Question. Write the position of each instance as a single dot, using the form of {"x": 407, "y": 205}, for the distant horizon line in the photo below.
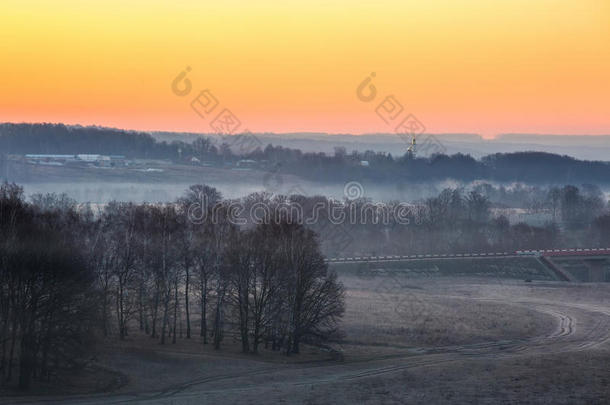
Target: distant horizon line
{"x": 494, "y": 137}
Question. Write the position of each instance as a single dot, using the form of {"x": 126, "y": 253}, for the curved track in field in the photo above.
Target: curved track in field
{"x": 578, "y": 327}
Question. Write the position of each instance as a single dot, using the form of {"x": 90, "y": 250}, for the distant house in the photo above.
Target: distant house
{"x": 88, "y": 157}
{"x": 246, "y": 164}
{"x": 49, "y": 157}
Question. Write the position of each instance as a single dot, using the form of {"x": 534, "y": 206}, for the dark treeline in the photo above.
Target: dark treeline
{"x": 61, "y": 139}
{"x": 460, "y": 221}
{"x": 533, "y": 167}
{"x": 455, "y": 221}
{"x": 69, "y": 276}
{"x": 535, "y": 198}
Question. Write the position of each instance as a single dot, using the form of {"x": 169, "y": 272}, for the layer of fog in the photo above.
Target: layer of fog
{"x": 104, "y": 192}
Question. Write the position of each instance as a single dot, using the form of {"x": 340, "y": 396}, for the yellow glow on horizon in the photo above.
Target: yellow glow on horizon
{"x": 459, "y": 66}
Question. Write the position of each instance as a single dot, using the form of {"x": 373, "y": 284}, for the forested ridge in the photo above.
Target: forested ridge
{"x": 535, "y": 167}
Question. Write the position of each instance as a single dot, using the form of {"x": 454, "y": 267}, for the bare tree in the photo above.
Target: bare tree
{"x": 120, "y": 222}
{"x": 165, "y": 225}
{"x": 239, "y": 271}
{"x": 265, "y": 283}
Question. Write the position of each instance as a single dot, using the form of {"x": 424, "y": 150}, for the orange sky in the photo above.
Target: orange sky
{"x": 484, "y": 66}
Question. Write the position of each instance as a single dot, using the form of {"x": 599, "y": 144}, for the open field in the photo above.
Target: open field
{"x": 163, "y": 183}
{"x": 499, "y": 268}
{"x": 414, "y": 340}
{"x": 402, "y": 316}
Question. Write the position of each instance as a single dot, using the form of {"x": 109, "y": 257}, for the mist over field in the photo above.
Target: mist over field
{"x": 101, "y": 193}
{"x": 155, "y": 192}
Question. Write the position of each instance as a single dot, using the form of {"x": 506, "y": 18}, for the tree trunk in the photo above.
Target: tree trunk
{"x": 141, "y": 305}
{"x": 120, "y": 308}
{"x": 256, "y": 339}
{"x": 105, "y": 311}
{"x": 218, "y": 321}
{"x": 165, "y": 315}
{"x": 204, "y": 310}
{"x": 243, "y": 319}
{"x": 186, "y": 303}
{"x": 295, "y": 344}
{"x": 26, "y": 363}
{"x": 13, "y": 341}
{"x": 5, "y": 329}
{"x": 155, "y": 313}
{"x": 175, "y": 309}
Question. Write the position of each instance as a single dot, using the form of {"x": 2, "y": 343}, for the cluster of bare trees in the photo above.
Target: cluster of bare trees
{"x": 156, "y": 269}
{"x": 281, "y": 288}
{"x": 48, "y": 307}
{"x": 263, "y": 284}
{"x": 69, "y": 275}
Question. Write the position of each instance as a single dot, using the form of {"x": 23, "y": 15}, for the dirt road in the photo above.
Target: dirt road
{"x": 580, "y": 327}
